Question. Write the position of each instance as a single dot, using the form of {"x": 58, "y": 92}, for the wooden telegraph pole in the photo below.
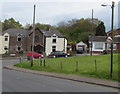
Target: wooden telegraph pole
{"x": 33, "y": 36}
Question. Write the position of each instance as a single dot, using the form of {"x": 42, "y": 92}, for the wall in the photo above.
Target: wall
{"x": 14, "y": 42}
{"x": 98, "y": 50}
{"x": 4, "y": 43}
{"x": 1, "y": 44}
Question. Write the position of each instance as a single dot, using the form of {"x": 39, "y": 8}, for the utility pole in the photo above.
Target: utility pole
{"x": 33, "y": 36}
{"x": 92, "y": 34}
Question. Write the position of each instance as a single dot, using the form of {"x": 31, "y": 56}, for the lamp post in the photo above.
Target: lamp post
{"x": 112, "y": 22}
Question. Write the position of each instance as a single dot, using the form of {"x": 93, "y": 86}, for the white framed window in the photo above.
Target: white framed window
{"x": 54, "y": 39}
{"x": 99, "y": 46}
{"x": 6, "y": 38}
{"x": 109, "y": 46}
{"x": 19, "y": 37}
{"x": 53, "y": 48}
{"x": 5, "y": 48}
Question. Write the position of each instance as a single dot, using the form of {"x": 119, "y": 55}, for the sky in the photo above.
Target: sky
{"x": 119, "y": 15}
{"x": 54, "y": 11}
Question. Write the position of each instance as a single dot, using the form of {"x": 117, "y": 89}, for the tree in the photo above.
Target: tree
{"x": 11, "y": 23}
{"x": 78, "y": 30}
{"x": 0, "y": 26}
{"x": 44, "y": 26}
{"x": 100, "y": 30}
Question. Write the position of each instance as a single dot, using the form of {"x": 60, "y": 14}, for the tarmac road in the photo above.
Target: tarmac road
{"x": 16, "y": 81}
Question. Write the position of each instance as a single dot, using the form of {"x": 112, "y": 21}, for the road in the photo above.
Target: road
{"x": 16, "y": 81}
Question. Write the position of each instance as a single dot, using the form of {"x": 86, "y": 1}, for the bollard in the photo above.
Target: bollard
{"x": 31, "y": 63}
{"x": 44, "y": 62}
{"x": 40, "y": 62}
{"x": 61, "y": 65}
{"x": 20, "y": 58}
{"x": 76, "y": 66}
{"x": 95, "y": 66}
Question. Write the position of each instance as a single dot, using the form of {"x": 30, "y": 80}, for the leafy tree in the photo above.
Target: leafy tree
{"x": 100, "y": 30}
{"x": 44, "y": 26}
{"x": 79, "y": 29}
{"x": 0, "y": 26}
{"x": 11, "y": 23}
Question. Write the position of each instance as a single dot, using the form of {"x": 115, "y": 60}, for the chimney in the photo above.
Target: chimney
{"x": 48, "y": 28}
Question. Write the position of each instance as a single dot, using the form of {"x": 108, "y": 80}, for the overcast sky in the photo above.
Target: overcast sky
{"x": 54, "y": 11}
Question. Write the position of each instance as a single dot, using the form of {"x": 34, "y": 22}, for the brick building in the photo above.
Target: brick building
{"x": 21, "y": 40}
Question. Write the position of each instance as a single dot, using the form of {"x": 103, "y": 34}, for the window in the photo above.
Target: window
{"x": 53, "y": 48}
{"x": 5, "y": 48}
{"x": 6, "y": 38}
{"x": 18, "y": 48}
{"x": 19, "y": 38}
{"x": 109, "y": 46}
{"x": 98, "y": 45}
{"x": 54, "y": 39}
{"x": 36, "y": 38}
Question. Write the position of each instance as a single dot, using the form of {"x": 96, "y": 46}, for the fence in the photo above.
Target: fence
{"x": 76, "y": 65}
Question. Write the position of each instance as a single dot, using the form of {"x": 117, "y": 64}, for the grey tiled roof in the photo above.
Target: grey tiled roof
{"x": 103, "y": 39}
{"x": 98, "y": 38}
{"x": 49, "y": 33}
{"x": 15, "y": 32}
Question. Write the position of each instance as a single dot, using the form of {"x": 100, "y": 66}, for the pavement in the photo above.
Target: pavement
{"x": 90, "y": 80}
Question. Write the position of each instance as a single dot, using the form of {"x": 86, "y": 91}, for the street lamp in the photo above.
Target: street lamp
{"x": 112, "y": 22}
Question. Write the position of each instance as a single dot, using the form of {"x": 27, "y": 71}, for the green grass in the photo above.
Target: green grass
{"x": 86, "y": 66}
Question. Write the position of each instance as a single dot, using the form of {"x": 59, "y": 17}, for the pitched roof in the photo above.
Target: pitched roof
{"x": 103, "y": 39}
{"x": 98, "y": 38}
{"x": 15, "y": 32}
{"x": 81, "y": 43}
{"x": 25, "y": 32}
{"x": 49, "y": 33}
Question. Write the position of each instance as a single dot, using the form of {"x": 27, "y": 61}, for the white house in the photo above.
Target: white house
{"x": 99, "y": 44}
{"x": 54, "y": 41}
{"x": 4, "y": 43}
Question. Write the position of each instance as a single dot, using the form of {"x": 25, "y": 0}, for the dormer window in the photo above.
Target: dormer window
{"x": 19, "y": 38}
{"x": 54, "y": 39}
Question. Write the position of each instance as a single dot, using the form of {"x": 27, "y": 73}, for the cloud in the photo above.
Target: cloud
{"x": 88, "y": 1}
{"x": 54, "y": 12}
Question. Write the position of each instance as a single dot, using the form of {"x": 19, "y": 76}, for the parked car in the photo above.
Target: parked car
{"x": 104, "y": 52}
{"x": 34, "y": 54}
{"x": 80, "y": 51}
{"x": 58, "y": 54}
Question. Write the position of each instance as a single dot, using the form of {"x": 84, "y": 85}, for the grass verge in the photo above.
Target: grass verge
{"x": 91, "y": 66}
